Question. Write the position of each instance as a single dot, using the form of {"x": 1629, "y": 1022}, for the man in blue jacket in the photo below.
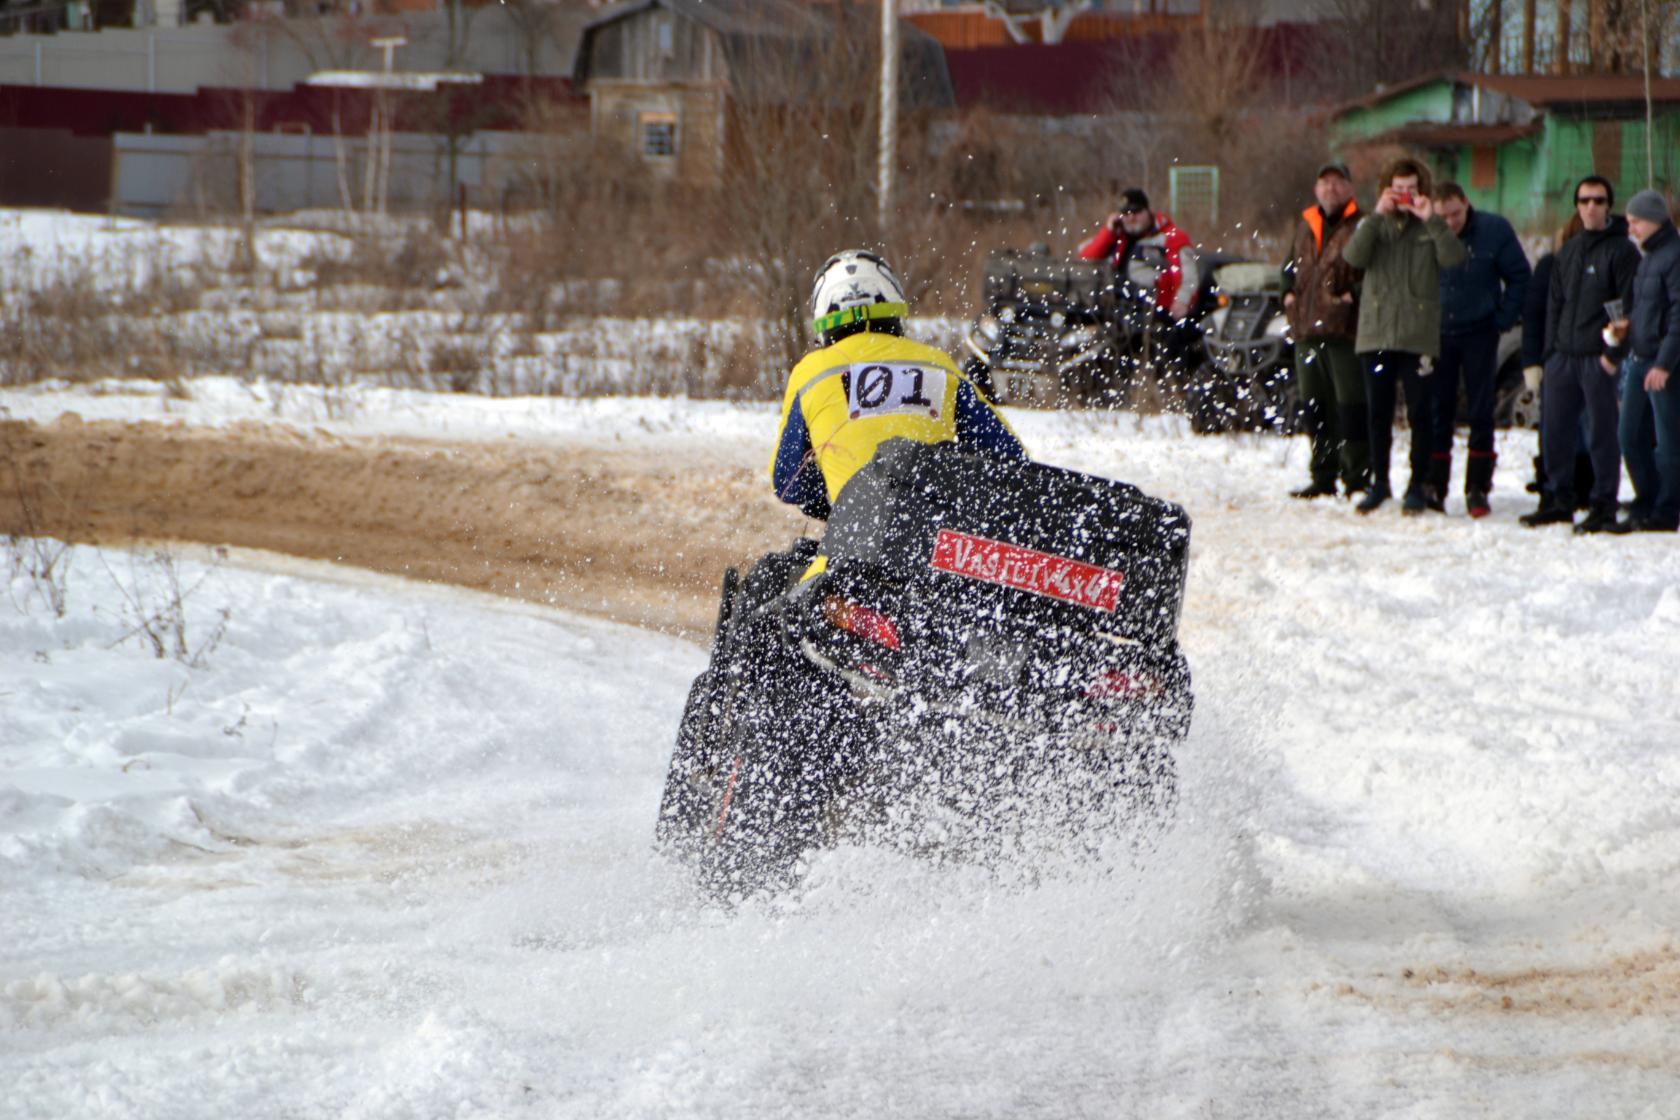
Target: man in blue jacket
{"x": 1481, "y": 299}
{"x": 1650, "y": 418}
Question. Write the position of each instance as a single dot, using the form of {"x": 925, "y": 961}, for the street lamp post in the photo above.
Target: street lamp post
{"x": 377, "y": 182}
{"x": 889, "y": 109}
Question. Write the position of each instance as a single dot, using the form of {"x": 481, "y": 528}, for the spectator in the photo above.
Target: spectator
{"x": 1320, "y": 298}
{"x": 1157, "y": 257}
{"x": 1650, "y": 395}
{"x": 1593, "y": 268}
{"x": 1147, "y": 249}
{"x": 1481, "y": 299}
{"x": 1402, "y": 249}
{"x": 1534, "y": 346}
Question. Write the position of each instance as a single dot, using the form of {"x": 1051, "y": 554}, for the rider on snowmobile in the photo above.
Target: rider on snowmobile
{"x": 868, "y": 384}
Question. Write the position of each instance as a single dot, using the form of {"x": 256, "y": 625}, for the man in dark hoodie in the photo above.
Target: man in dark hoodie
{"x": 1593, "y": 268}
{"x": 1481, "y": 299}
{"x": 1650, "y": 393}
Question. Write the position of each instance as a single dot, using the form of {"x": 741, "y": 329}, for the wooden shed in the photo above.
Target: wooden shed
{"x": 661, "y": 75}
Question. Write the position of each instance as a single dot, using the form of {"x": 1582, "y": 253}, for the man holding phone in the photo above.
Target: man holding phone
{"x": 1592, "y": 269}
{"x": 1146, "y": 248}
{"x": 1402, "y": 249}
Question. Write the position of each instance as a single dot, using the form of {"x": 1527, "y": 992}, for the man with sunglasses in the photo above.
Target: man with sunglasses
{"x": 1146, "y": 248}
{"x": 1158, "y": 258}
{"x": 1592, "y": 269}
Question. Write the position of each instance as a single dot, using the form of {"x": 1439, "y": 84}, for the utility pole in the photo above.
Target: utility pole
{"x": 382, "y": 110}
{"x": 889, "y": 108}
{"x": 1650, "y": 128}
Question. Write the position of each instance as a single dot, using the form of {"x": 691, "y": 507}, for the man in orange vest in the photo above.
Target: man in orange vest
{"x": 1321, "y": 298}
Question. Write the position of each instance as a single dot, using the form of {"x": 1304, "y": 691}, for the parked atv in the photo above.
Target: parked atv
{"x": 1248, "y": 381}
{"x": 1044, "y": 337}
{"x": 987, "y": 651}
{"x": 1057, "y": 333}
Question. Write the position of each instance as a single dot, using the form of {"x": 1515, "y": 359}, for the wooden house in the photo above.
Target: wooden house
{"x": 664, "y": 76}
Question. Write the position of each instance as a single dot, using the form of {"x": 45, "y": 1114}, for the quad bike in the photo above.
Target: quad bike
{"x": 1070, "y": 333}
{"x": 1045, "y": 336}
{"x": 986, "y": 650}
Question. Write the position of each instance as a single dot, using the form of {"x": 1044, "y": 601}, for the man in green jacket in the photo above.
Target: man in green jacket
{"x": 1402, "y": 248}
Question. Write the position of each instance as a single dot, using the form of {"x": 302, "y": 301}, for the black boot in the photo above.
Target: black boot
{"x": 1315, "y": 490}
{"x": 1583, "y": 479}
{"x": 1600, "y": 519}
{"x": 1478, "y": 481}
{"x": 1440, "y": 475}
{"x": 1374, "y": 497}
{"x": 1551, "y": 512}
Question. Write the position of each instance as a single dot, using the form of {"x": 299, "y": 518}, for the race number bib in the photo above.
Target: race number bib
{"x": 881, "y": 388}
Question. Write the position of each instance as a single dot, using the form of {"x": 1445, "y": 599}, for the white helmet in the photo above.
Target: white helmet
{"x": 855, "y": 286}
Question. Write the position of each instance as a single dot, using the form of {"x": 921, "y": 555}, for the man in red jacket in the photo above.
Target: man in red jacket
{"x": 1151, "y": 252}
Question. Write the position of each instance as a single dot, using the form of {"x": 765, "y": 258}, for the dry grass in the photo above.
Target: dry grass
{"x": 589, "y": 234}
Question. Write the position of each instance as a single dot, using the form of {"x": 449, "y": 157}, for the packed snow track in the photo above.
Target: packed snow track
{"x": 386, "y": 853}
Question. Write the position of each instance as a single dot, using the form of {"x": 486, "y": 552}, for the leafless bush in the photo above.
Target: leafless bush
{"x": 402, "y": 269}
{"x": 90, "y": 321}
{"x": 458, "y": 364}
{"x": 155, "y": 600}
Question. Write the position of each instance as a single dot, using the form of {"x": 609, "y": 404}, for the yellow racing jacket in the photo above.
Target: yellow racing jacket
{"x": 843, "y": 401}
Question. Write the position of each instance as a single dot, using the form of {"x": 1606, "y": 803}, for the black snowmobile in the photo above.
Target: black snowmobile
{"x": 988, "y": 647}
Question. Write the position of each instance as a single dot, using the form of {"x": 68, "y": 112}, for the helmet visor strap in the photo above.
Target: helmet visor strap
{"x": 860, "y": 314}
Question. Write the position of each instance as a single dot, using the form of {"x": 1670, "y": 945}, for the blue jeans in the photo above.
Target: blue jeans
{"x": 1650, "y": 436}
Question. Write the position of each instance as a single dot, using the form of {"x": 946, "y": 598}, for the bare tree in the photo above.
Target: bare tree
{"x": 453, "y": 115}
{"x": 1212, "y": 79}
{"x": 798, "y": 167}
{"x": 538, "y": 25}
{"x": 1380, "y": 42}
{"x": 1204, "y": 96}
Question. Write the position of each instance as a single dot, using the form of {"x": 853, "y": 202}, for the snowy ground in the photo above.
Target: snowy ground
{"x": 386, "y": 853}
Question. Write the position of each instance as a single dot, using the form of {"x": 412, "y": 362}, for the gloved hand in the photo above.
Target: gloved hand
{"x": 1532, "y": 376}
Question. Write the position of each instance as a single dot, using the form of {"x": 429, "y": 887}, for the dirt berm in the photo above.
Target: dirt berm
{"x": 637, "y": 535}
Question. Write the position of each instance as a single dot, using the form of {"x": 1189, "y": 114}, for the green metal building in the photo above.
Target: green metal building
{"x": 1518, "y": 144}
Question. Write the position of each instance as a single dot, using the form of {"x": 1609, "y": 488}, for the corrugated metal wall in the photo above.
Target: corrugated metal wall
{"x": 52, "y": 167}
{"x": 158, "y": 176}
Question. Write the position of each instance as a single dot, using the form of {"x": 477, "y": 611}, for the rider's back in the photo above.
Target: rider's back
{"x": 843, "y": 401}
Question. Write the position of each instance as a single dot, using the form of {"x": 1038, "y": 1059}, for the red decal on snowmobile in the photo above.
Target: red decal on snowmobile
{"x": 1025, "y": 569}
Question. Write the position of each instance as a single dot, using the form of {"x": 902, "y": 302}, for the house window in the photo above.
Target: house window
{"x": 658, "y": 134}
{"x": 665, "y": 37}
{"x": 1484, "y": 167}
